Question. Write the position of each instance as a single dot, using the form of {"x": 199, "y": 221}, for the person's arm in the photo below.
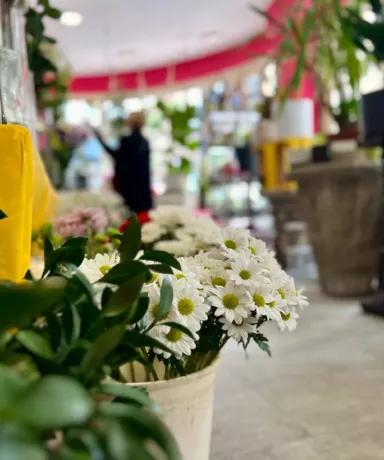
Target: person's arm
{"x": 111, "y": 151}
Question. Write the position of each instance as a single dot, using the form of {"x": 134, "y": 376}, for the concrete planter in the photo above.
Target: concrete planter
{"x": 341, "y": 204}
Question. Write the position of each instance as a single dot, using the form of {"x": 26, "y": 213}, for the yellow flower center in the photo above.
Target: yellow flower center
{"x": 281, "y": 292}
{"x": 174, "y": 335}
{"x": 231, "y": 244}
{"x": 285, "y": 316}
{"x": 218, "y": 281}
{"x": 272, "y": 304}
{"x": 259, "y": 300}
{"x": 185, "y": 306}
{"x": 245, "y": 274}
{"x": 230, "y": 301}
{"x": 252, "y": 250}
{"x": 179, "y": 276}
{"x": 155, "y": 311}
{"x": 153, "y": 279}
{"x": 104, "y": 269}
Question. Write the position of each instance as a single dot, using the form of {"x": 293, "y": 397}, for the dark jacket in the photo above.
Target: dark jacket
{"x": 132, "y": 171}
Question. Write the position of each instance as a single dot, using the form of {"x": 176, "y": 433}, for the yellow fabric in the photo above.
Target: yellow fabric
{"x": 16, "y": 200}
{"x": 45, "y": 199}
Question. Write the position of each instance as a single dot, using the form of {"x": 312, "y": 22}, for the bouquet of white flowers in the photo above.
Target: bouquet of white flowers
{"x": 224, "y": 293}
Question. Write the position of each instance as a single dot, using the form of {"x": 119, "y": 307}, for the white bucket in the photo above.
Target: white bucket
{"x": 187, "y": 407}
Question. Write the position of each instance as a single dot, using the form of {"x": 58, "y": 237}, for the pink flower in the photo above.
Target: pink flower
{"x": 80, "y": 221}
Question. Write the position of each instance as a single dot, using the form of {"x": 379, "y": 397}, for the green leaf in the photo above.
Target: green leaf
{"x": 121, "y": 273}
{"x": 137, "y": 339}
{"x": 144, "y": 424}
{"x": 100, "y": 349}
{"x": 131, "y": 240}
{"x": 166, "y": 299}
{"x": 48, "y": 248}
{"x": 35, "y": 343}
{"x": 12, "y": 386}
{"x": 73, "y": 252}
{"x": 53, "y": 13}
{"x": 2, "y": 215}
{"x": 28, "y": 301}
{"x": 54, "y": 402}
{"x": 49, "y": 40}
{"x": 106, "y": 296}
{"x": 17, "y": 449}
{"x": 161, "y": 268}
{"x": 161, "y": 257}
{"x": 124, "y": 297}
{"x": 71, "y": 322}
{"x": 122, "y": 391}
{"x": 180, "y": 328}
{"x": 140, "y": 310}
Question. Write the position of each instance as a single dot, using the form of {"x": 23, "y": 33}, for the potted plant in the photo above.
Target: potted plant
{"x": 321, "y": 49}
{"x": 180, "y": 153}
{"x": 148, "y": 319}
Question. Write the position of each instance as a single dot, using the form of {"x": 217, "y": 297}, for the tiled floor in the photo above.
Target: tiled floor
{"x": 320, "y": 396}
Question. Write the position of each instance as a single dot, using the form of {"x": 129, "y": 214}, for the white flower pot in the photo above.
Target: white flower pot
{"x": 187, "y": 407}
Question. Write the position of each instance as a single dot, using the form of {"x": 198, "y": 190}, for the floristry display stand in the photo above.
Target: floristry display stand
{"x": 341, "y": 203}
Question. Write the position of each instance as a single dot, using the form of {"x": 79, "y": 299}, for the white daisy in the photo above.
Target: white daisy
{"x": 234, "y": 239}
{"x": 231, "y": 301}
{"x": 301, "y": 300}
{"x": 265, "y": 303}
{"x": 287, "y": 290}
{"x": 190, "y": 307}
{"x": 288, "y": 320}
{"x": 175, "y": 340}
{"x": 190, "y": 271}
{"x": 177, "y": 248}
{"x": 217, "y": 276}
{"x": 246, "y": 271}
{"x": 151, "y": 232}
{"x": 96, "y": 268}
{"x": 240, "y": 331}
{"x": 154, "y": 305}
{"x": 257, "y": 247}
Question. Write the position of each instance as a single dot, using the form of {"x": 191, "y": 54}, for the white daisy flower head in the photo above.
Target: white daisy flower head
{"x": 231, "y": 301}
{"x": 151, "y": 232}
{"x": 257, "y": 247}
{"x": 154, "y": 305}
{"x": 288, "y": 320}
{"x": 240, "y": 331}
{"x": 301, "y": 300}
{"x": 246, "y": 271}
{"x": 264, "y": 302}
{"x": 191, "y": 307}
{"x": 175, "y": 340}
{"x": 217, "y": 276}
{"x": 190, "y": 271}
{"x": 234, "y": 239}
{"x": 95, "y": 269}
{"x": 177, "y": 248}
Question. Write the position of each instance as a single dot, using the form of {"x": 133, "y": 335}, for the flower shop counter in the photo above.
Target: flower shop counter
{"x": 341, "y": 204}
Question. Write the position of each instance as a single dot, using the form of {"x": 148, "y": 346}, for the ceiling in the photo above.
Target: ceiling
{"x": 119, "y": 35}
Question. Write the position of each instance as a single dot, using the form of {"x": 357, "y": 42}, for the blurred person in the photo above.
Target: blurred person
{"x": 84, "y": 169}
{"x": 132, "y": 165}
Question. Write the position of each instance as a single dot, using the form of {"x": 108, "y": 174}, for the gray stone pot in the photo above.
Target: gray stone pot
{"x": 341, "y": 204}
